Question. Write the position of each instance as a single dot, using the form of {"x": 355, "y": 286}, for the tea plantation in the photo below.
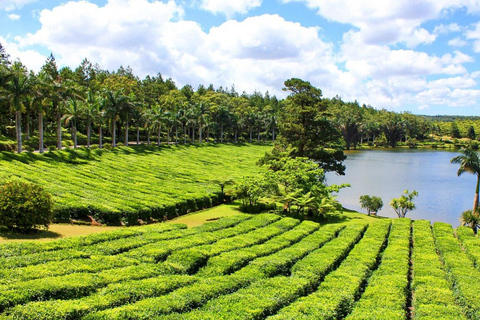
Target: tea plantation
{"x": 248, "y": 267}
{"x": 131, "y": 183}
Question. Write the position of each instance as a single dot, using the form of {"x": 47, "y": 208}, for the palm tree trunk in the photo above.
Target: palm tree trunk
{"x": 200, "y": 133}
{"x": 100, "y": 137}
{"x": 114, "y": 141}
{"x": 40, "y": 132}
{"x": 221, "y": 133}
{"x": 18, "y": 127}
{"x": 126, "y": 134}
{"x": 184, "y": 134}
{"x": 158, "y": 136}
{"x": 176, "y": 134}
{"x": 89, "y": 131}
{"x": 59, "y": 131}
{"x": 251, "y": 130}
{"x": 148, "y": 137}
{"x": 74, "y": 131}
{"x": 138, "y": 136}
{"x": 27, "y": 127}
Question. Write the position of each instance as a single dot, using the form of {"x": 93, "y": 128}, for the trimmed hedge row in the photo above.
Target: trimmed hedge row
{"x": 264, "y": 297}
{"x": 188, "y": 261}
{"x": 159, "y": 251}
{"x": 461, "y": 271}
{"x": 337, "y": 293}
{"x": 10, "y": 277}
{"x": 190, "y": 297}
{"x": 433, "y": 297}
{"x": 20, "y": 254}
{"x": 470, "y": 243}
{"x": 95, "y": 263}
{"x": 387, "y": 291}
{"x": 112, "y": 295}
{"x": 71, "y": 286}
{"x": 229, "y": 262}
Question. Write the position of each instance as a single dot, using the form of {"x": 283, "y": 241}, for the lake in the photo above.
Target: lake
{"x": 442, "y": 195}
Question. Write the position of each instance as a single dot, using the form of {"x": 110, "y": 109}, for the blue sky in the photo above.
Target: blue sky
{"x": 420, "y": 56}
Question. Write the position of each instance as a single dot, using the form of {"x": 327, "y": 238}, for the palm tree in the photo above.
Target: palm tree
{"x": 16, "y": 87}
{"x": 469, "y": 162}
{"x": 116, "y": 102}
{"x": 72, "y": 112}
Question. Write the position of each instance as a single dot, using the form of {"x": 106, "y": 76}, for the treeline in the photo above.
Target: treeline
{"x": 57, "y": 107}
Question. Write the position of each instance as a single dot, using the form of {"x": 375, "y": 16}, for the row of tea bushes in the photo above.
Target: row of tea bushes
{"x": 460, "y": 269}
{"x": 159, "y": 251}
{"x": 188, "y": 261}
{"x": 334, "y": 297}
{"x": 266, "y": 296}
{"x": 387, "y": 292}
{"x": 111, "y": 296}
{"x": 433, "y": 297}
{"x": 470, "y": 243}
{"x": 232, "y": 261}
{"x": 190, "y": 297}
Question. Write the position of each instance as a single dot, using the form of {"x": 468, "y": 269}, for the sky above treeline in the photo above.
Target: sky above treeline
{"x": 420, "y": 56}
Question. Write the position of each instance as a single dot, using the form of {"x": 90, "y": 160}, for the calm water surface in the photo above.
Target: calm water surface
{"x": 443, "y": 196}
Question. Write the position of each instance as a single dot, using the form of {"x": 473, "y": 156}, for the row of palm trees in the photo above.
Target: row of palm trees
{"x": 110, "y": 102}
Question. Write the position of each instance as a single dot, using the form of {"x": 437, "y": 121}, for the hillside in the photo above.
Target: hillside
{"x": 247, "y": 267}
{"x": 128, "y": 183}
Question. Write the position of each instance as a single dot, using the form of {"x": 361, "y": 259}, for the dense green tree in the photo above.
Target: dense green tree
{"x": 469, "y": 162}
{"x": 373, "y": 204}
{"x": 393, "y": 127}
{"x": 454, "y": 130}
{"x": 471, "y": 133}
{"x": 305, "y": 127}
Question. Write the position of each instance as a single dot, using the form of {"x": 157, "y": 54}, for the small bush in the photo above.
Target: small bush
{"x": 24, "y": 206}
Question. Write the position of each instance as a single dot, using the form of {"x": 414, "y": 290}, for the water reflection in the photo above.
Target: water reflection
{"x": 386, "y": 173}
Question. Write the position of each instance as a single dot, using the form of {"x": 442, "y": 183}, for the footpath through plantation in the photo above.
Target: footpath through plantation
{"x": 248, "y": 267}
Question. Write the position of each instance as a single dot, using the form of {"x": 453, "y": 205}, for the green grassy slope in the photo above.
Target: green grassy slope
{"x": 133, "y": 182}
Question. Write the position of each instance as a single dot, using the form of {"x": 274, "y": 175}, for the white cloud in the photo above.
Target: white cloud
{"x": 457, "y": 42}
{"x": 13, "y": 16}
{"x": 446, "y": 29}
{"x": 229, "y": 8}
{"x": 260, "y": 53}
{"x": 10, "y": 5}
{"x": 31, "y": 58}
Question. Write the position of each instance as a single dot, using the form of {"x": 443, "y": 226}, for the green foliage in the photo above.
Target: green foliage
{"x": 306, "y": 128}
{"x": 468, "y": 218}
{"x": 373, "y": 204}
{"x": 404, "y": 204}
{"x": 24, "y": 206}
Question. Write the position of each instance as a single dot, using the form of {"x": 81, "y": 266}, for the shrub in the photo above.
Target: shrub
{"x": 24, "y": 206}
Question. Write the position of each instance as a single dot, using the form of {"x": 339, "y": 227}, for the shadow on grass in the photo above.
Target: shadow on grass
{"x": 33, "y": 235}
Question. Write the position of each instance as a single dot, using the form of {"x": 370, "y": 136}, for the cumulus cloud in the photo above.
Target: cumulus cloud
{"x": 229, "y": 8}
{"x": 261, "y": 52}
{"x": 10, "y": 5}
{"x": 457, "y": 42}
{"x": 446, "y": 29}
